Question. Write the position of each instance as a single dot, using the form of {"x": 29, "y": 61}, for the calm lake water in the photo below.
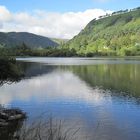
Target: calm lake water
{"x": 99, "y": 95}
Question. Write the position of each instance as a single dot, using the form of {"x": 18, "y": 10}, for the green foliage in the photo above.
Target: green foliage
{"x": 24, "y": 50}
{"x": 116, "y": 34}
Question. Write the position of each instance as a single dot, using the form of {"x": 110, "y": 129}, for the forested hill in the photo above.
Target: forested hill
{"x": 115, "y": 34}
{"x": 59, "y": 40}
{"x": 14, "y": 39}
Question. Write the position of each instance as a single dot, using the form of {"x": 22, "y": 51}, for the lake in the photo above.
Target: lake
{"x": 101, "y": 96}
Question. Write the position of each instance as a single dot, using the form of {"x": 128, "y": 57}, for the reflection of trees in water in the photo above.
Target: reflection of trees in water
{"x": 119, "y": 77}
{"x": 122, "y": 78}
{"x": 32, "y": 69}
{"x": 9, "y": 72}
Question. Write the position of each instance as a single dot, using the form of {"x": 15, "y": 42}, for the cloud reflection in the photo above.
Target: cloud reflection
{"x": 57, "y": 85}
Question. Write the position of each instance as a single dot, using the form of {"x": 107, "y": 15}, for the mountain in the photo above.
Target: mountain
{"x": 12, "y": 39}
{"x": 60, "y": 41}
{"x": 114, "y": 34}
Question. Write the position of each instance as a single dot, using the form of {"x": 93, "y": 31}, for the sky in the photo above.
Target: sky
{"x": 56, "y": 18}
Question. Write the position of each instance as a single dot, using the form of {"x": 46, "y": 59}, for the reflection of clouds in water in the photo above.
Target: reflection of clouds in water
{"x": 56, "y": 85}
{"x": 65, "y": 86}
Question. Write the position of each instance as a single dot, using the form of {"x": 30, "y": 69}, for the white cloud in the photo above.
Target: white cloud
{"x": 5, "y": 15}
{"x": 51, "y": 24}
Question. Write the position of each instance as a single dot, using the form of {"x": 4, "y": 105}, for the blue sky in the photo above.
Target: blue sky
{"x": 56, "y": 18}
{"x": 68, "y": 5}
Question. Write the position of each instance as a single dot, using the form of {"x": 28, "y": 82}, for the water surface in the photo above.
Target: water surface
{"x": 99, "y": 95}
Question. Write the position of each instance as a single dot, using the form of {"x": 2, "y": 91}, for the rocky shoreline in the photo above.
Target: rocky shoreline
{"x": 8, "y": 116}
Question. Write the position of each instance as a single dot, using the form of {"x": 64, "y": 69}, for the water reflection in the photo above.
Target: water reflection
{"x": 101, "y": 99}
{"x": 122, "y": 78}
{"x": 57, "y": 85}
{"x": 9, "y": 72}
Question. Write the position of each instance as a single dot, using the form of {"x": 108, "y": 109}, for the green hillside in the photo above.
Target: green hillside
{"x": 59, "y": 40}
{"x": 14, "y": 39}
{"x": 115, "y": 34}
